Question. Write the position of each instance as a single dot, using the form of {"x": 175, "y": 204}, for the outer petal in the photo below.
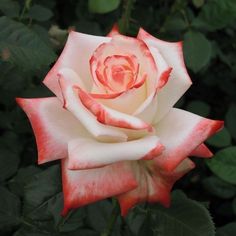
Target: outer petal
{"x": 202, "y": 151}
{"x": 179, "y": 80}
{"x": 88, "y": 153}
{"x": 154, "y": 185}
{"x": 76, "y": 54}
{"x": 53, "y": 127}
{"x": 181, "y": 132}
{"x": 82, "y": 187}
{"x": 75, "y": 106}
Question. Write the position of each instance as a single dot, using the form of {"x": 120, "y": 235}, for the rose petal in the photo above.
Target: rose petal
{"x": 76, "y": 54}
{"x": 110, "y": 116}
{"x": 179, "y": 80}
{"x": 181, "y": 132}
{"x": 75, "y": 106}
{"x": 163, "y": 69}
{"x": 53, "y": 127}
{"x": 81, "y": 187}
{"x": 126, "y": 102}
{"x": 147, "y": 110}
{"x": 153, "y": 185}
{"x": 202, "y": 151}
{"x": 88, "y": 153}
{"x": 114, "y": 31}
{"x": 70, "y": 75}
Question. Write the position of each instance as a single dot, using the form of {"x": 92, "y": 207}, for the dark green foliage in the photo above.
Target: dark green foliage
{"x": 31, "y": 198}
{"x": 216, "y": 14}
{"x": 40, "y": 13}
{"x": 230, "y": 120}
{"x": 199, "y": 107}
{"x": 197, "y": 50}
{"x": 224, "y": 164}
{"x": 219, "y": 187}
{"x": 102, "y": 6}
{"x": 221, "y": 139}
{"x": 22, "y": 47}
{"x": 184, "y": 217}
{"x": 9, "y": 209}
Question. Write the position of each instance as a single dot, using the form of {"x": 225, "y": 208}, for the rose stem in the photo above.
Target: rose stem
{"x": 126, "y": 14}
{"x": 115, "y": 213}
{"x": 25, "y": 8}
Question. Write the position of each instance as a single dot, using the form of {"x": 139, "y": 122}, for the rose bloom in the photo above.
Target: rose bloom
{"x": 112, "y": 121}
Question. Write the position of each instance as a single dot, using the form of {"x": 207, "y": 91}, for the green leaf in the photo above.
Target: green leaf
{"x": 185, "y": 217}
{"x": 227, "y": 230}
{"x": 175, "y": 23}
{"x": 199, "y": 107}
{"x": 220, "y": 139}
{"x": 49, "y": 4}
{"x": 216, "y": 14}
{"x": 30, "y": 231}
{"x": 10, "y": 141}
{"x": 197, "y": 50}
{"x": 82, "y": 232}
{"x": 219, "y": 187}
{"x": 9, "y": 209}
{"x": 72, "y": 221}
{"x": 223, "y": 164}
{"x": 23, "y": 176}
{"x": 12, "y": 78}
{"x": 135, "y": 220}
{"x": 147, "y": 226}
{"x": 42, "y": 33}
{"x": 10, "y": 8}
{"x": 103, "y": 211}
{"x": 231, "y": 121}
{"x": 40, "y": 13}
{"x": 8, "y": 164}
{"x": 41, "y": 188}
{"x": 49, "y": 209}
{"x": 23, "y": 47}
{"x": 103, "y": 6}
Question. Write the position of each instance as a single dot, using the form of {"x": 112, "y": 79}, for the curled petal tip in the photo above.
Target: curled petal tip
{"x": 155, "y": 152}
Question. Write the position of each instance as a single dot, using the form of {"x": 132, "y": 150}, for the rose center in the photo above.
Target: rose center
{"x": 118, "y": 72}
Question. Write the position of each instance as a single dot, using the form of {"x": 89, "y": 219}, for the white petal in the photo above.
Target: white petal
{"x": 148, "y": 109}
{"x": 88, "y": 153}
{"x": 53, "y": 127}
{"x": 76, "y": 55}
{"x": 179, "y": 80}
{"x": 75, "y": 106}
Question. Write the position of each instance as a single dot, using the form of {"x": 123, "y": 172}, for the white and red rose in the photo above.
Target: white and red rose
{"x": 112, "y": 121}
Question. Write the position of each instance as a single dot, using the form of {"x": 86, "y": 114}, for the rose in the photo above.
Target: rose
{"x": 112, "y": 121}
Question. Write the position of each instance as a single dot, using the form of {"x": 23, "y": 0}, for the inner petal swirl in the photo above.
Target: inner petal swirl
{"x": 118, "y": 72}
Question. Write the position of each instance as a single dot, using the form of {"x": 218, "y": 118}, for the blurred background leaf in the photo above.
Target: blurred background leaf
{"x": 224, "y": 164}
{"x": 22, "y": 47}
{"x": 102, "y": 6}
